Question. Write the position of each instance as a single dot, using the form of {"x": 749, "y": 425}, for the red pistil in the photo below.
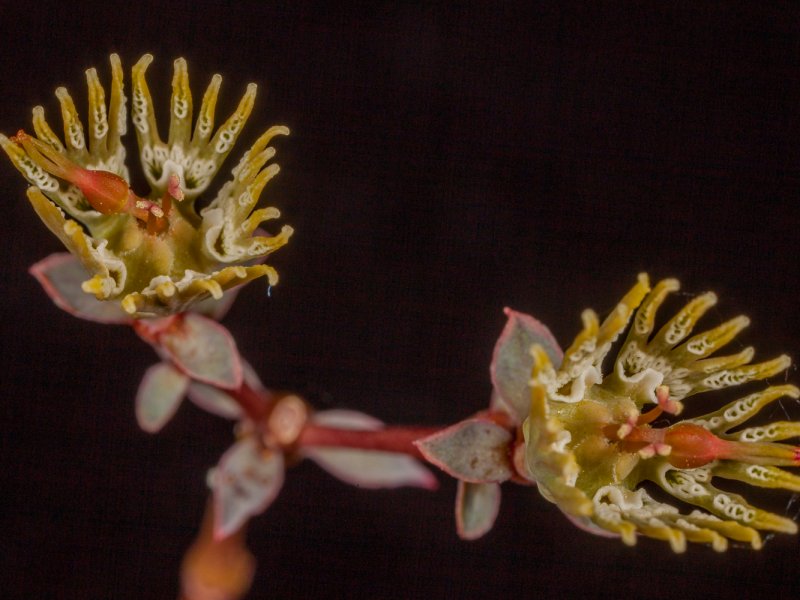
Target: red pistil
{"x": 106, "y": 192}
{"x": 694, "y": 446}
{"x": 688, "y": 446}
{"x": 685, "y": 445}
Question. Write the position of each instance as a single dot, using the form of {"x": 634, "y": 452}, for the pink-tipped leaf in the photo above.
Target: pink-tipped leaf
{"x": 475, "y": 450}
{"x": 219, "y": 402}
{"x": 477, "y": 506}
{"x": 246, "y": 481}
{"x": 203, "y": 349}
{"x": 512, "y": 362}
{"x": 160, "y": 394}
{"x": 61, "y": 276}
{"x": 215, "y": 401}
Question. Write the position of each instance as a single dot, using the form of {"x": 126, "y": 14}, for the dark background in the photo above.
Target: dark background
{"x": 444, "y": 162}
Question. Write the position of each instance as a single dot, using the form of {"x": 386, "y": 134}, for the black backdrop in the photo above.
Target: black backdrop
{"x": 444, "y": 162}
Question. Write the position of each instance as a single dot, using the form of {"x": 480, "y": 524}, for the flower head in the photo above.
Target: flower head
{"x": 591, "y": 439}
{"x": 154, "y": 254}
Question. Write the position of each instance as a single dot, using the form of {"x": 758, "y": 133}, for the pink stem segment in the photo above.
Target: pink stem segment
{"x": 258, "y": 404}
{"x": 255, "y": 403}
{"x": 390, "y": 439}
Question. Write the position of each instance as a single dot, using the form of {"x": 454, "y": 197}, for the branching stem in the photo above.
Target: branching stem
{"x": 390, "y": 439}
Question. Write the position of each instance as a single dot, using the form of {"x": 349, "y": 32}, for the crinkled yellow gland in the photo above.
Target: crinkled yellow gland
{"x": 590, "y": 443}
{"x": 156, "y": 254}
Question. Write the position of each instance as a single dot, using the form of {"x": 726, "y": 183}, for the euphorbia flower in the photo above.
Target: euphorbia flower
{"x": 594, "y": 438}
{"x": 153, "y": 254}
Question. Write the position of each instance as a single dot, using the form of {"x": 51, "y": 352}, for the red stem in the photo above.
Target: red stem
{"x": 390, "y": 439}
{"x": 259, "y": 403}
{"x": 256, "y": 403}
